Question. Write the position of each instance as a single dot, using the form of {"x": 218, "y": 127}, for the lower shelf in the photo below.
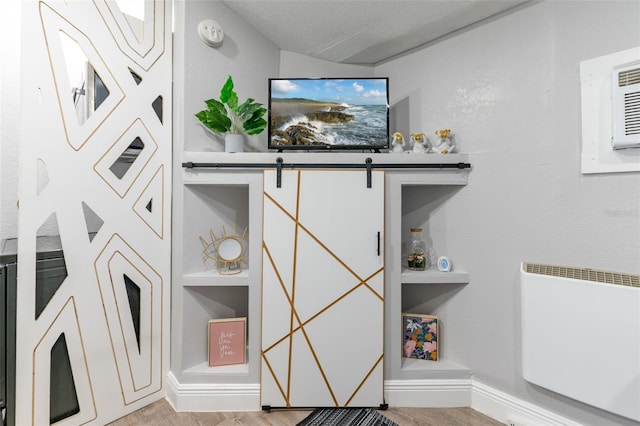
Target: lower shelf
{"x": 441, "y": 365}
{"x": 422, "y": 369}
{"x": 204, "y": 369}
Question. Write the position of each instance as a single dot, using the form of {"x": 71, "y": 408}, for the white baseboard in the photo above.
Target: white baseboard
{"x": 511, "y": 410}
{"x": 212, "y": 396}
{"x": 398, "y": 393}
{"x": 428, "y": 393}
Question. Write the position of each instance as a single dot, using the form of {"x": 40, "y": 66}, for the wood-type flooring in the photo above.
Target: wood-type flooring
{"x": 160, "y": 413}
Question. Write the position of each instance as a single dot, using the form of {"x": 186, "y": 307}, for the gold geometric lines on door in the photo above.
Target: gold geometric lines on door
{"x": 322, "y": 290}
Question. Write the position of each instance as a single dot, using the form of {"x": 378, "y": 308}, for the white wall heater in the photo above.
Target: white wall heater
{"x": 581, "y": 335}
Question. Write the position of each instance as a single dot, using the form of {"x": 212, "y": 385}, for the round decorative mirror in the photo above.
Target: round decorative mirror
{"x": 227, "y": 252}
{"x": 229, "y": 249}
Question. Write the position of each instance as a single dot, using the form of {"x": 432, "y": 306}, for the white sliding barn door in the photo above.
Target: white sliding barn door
{"x": 95, "y": 176}
{"x": 322, "y": 289}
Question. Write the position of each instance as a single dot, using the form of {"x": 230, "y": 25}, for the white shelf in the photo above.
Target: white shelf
{"x": 204, "y": 369}
{"x": 443, "y": 366}
{"x": 432, "y": 276}
{"x": 421, "y": 364}
{"x": 320, "y": 157}
{"x": 213, "y": 278}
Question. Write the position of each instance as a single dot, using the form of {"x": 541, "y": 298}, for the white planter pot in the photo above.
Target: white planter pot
{"x": 233, "y": 143}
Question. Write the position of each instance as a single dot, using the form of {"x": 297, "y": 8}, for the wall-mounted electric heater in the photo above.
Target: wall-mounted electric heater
{"x": 581, "y": 335}
{"x": 626, "y": 106}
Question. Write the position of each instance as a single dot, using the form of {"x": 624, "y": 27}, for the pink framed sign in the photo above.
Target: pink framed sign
{"x": 227, "y": 341}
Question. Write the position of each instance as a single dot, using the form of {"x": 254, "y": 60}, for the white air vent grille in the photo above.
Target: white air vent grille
{"x": 632, "y": 113}
{"x": 626, "y": 106}
{"x": 629, "y": 77}
{"x": 584, "y": 274}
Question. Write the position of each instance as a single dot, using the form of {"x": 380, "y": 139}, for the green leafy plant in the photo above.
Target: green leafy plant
{"x": 227, "y": 116}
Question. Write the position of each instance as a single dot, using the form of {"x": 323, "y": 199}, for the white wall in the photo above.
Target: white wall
{"x": 510, "y": 91}
{"x": 9, "y": 117}
{"x": 294, "y": 65}
{"x": 245, "y": 55}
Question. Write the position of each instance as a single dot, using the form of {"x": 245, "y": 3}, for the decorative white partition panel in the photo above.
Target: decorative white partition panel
{"x": 322, "y": 289}
{"x": 95, "y": 167}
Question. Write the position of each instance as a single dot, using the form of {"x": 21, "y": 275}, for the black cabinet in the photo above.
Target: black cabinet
{"x": 8, "y": 283}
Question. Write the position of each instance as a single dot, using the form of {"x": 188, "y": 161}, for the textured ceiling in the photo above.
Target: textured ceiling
{"x": 362, "y": 31}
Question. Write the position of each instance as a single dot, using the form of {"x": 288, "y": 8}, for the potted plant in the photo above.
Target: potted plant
{"x": 227, "y": 116}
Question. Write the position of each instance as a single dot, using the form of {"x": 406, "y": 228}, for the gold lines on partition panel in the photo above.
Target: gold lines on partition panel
{"x": 143, "y": 43}
{"x": 96, "y": 150}
{"x": 62, "y": 337}
{"x": 131, "y": 293}
{"x": 74, "y": 59}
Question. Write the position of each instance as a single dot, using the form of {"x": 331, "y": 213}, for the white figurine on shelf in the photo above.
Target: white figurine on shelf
{"x": 444, "y": 145}
{"x": 397, "y": 142}
{"x": 419, "y": 143}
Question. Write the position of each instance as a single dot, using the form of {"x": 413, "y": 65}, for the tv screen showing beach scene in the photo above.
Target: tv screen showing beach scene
{"x": 328, "y": 113}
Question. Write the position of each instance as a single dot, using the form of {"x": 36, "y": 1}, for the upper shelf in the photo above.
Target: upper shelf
{"x": 413, "y": 169}
{"x": 213, "y": 278}
{"x": 434, "y": 277}
{"x": 323, "y": 158}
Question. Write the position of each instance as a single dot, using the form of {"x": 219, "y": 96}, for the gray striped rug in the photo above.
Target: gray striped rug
{"x": 346, "y": 417}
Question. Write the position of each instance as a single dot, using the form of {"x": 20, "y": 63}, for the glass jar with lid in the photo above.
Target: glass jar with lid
{"x": 417, "y": 255}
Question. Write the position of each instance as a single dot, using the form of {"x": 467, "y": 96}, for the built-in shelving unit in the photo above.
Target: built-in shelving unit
{"x": 414, "y": 199}
{"x": 212, "y": 197}
{"x": 225, "y": 203}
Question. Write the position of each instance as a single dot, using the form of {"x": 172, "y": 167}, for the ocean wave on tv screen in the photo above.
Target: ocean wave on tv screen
{"x": 368, "y": 127}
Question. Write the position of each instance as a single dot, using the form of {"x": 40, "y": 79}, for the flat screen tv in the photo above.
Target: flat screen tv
{"x": 328, "y": 113}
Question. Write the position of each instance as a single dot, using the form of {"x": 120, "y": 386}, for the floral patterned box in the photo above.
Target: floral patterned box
{"x": 420, "y": 336}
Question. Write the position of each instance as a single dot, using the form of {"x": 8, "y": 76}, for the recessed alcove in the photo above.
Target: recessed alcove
{"x": 428, "y": 298}
{"x": 201, "y": 304}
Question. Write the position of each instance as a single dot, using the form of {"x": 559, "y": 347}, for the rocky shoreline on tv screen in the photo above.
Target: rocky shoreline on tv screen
{"x": 292, "y": 121}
